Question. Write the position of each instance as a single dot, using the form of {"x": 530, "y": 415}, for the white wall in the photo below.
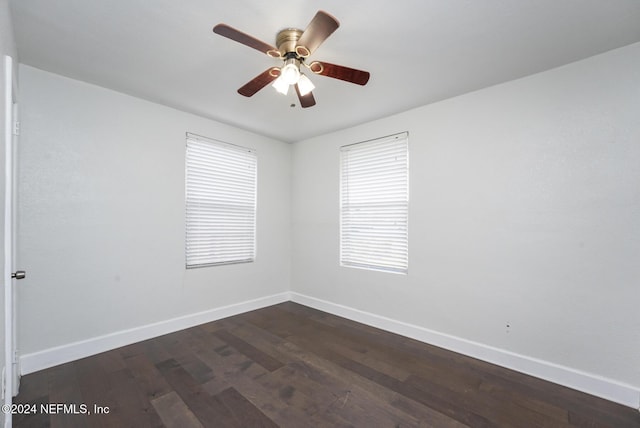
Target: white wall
{"x": 101, "y": 215}
{"x": 524, "y": 211}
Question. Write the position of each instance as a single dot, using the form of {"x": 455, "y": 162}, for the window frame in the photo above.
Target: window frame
{"x": 374, "y": 189}
{"x": 207, "y": 213}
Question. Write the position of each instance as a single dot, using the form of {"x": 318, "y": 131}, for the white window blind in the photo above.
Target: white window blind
{"x": 374, "y": 203}
{"x": 220, "y": 202}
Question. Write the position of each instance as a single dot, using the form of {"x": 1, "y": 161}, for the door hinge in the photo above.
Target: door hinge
{"x": 16, "y": 128}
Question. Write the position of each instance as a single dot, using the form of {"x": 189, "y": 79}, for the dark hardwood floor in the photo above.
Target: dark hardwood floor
{"x": 292, "y": 366}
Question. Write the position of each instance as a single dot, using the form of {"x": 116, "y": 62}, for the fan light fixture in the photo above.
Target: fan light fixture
{"x": 290, "y": 75}
{"x": 293, "y": 46}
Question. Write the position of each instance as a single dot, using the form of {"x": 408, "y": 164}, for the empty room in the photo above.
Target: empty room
{"x": 320, "y": 214}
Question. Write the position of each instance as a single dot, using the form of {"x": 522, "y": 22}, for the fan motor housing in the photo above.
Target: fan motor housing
{"x": 287, "y": 39}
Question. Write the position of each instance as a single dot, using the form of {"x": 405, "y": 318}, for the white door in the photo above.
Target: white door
{"x": 19, "y": 274}
{"x": 11, "y": 375}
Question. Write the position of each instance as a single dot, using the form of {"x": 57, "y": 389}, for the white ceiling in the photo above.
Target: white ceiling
{"x": 417, "y": 51}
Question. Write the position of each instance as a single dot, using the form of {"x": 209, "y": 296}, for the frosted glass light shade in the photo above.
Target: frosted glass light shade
{"x": 280, "y": 85}
{"x": 305, "y": 85}
{"x": 290, "y": 72}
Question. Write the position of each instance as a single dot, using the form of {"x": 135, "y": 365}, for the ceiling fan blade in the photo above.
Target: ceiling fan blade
{"x": 247, "y": 40}
{"x": 305, "y": 100}
{"x": 321, "y": 26}
{"x": 341, "y": 72}
{"x": 259, "y": 82}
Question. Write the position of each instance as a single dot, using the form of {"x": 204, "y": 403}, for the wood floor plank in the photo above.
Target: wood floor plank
{"x": 155, "y": 350}
{"x": 199, "y": 402}
{"x": 233, "y": 369}
{"x": 133, "y": 402}
{"x": 149, "y": 379}
{"x": 196, "y": 368}
{"x": 365, "y": 358}
{"x": 132, "y": 350}
{"x": 261, "y": 339}
{"x": 96, "y": 389}
{"x": 376, "y": 393}
{"x": 243, "y": 410}
{"x": 292, "y": 366}
{"x": 546, "y": 413}
{"x": 270, "y": 403}
{"x": 37, "y": 419}
{"x": 496, "y": 412}
{"x": 227, "y": 363}
{"x": 174, "y": 412}
{"x": 335, "y": 396}
{"x": 259, "y": 357}
{"x": 111, "y": 361}
{"x": 427, "y": 416}
{"x": 65, "y": 390}
{"x": 289, "y": 394}
{"x": 35, "y": 387}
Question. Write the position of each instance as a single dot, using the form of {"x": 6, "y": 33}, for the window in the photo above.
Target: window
{"x": 220, "y": 203}
{"x": 374, "y": 204}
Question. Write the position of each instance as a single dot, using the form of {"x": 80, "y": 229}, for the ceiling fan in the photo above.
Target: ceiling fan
{"x": 294, "y": 46}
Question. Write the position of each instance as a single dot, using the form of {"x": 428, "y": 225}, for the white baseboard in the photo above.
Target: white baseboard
{"x": 30, "y": 363}
{"x": 591, "y": 384}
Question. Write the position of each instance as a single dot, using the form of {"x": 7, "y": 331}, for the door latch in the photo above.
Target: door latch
{"x": 19, "y": 274}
